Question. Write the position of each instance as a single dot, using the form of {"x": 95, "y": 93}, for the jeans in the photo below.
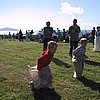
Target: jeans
{"x": 73, "y": 45}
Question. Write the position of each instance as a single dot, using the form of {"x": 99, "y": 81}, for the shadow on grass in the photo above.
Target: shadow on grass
{"x": 45, "y": 94}
{"x": 60, "y": 63}
{"x": 93, "y": 85}
{"x": 92, "y": 63}
{"x": 2, "y": 79}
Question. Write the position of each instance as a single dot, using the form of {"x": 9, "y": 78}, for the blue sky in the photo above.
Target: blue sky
{"x": 33, "y": 14}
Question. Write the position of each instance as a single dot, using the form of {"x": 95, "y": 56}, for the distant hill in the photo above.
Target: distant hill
{"x": 8, "y": 29}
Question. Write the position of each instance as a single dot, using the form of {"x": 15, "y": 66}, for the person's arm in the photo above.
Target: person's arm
{"x": 85, "y": 56}
{"x": 69, "y": 30}
{"x": 44, "y": 31}
{"x": 78, "y": 53}
{"x": 79, "y": 30}
{"x": 44, "y": 61}
{"x": 52, "y": 29}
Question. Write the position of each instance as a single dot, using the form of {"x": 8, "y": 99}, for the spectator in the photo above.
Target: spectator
{"x": 73, "y": 32}
{"x": 93, "y": 35}
{"x": 13, "y": 37}
{"x": 20, "y": 35}
{"x": 27, "y": 35}
{"x": 47, "y": 35}
{"x": 97, "y": 40}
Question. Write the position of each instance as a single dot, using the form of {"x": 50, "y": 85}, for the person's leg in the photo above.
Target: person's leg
{"x": 75, "y": 43}
{"x": 71, "y": 48}
{"x": 78, "y": 70}
{"x": 45, "y": 44}
{"x": 22, "y": 38}
{"x": 46, "y": 40}
{"x": 46, "y": 77}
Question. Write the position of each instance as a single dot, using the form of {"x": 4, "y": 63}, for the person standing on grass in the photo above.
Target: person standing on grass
{"x": 27, "y": 35}
{"x": 13, "y": 36}
{"x": 42, "y": 67}
{"x": 97, "y": 40}
{"x": 79, "y": 57}
{"x": 73, "y": 32}
{"x": 20, "y": 35}
{"x": 47, "y": 35}
{"x": 93, "y": 35}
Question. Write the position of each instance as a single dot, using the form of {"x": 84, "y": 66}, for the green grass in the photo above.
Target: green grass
{"x": 14, "y": 79}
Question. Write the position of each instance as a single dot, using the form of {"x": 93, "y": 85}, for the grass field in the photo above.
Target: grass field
{"x": 14, "y": 79}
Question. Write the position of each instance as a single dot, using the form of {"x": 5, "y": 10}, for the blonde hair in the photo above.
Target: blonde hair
{"x": 52, "y": 44}
{"x": 82, "y": 40}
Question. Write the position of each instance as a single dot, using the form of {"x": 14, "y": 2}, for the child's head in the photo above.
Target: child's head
{"x": 52, "y": 46}
{"x": 83, "y": 42}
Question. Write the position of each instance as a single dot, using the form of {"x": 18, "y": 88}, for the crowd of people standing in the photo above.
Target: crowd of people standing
{"x": 47, "y": 33}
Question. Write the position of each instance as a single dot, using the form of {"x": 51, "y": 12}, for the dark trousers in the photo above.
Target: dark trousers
{"x": 45, "y": 43}
{"x": 73, "y": 45}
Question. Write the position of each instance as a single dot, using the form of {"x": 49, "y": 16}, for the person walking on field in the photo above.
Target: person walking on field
{"x": 73, "y": 32}
{"x": 47, "y": 35}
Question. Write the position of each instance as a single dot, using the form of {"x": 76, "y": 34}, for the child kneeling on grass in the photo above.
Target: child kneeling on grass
{"x": 40, "y": 74}
{"x": 79, "y": 57}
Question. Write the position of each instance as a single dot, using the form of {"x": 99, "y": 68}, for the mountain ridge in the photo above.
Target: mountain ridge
{"x": 8, "y": 29}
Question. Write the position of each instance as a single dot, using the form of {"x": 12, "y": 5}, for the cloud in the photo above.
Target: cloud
{"x": 66, "y": 8}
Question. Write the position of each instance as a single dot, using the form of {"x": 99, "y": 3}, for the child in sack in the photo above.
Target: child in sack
{"x": 79, "y": 57}
{"x": 42, "y": 67}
